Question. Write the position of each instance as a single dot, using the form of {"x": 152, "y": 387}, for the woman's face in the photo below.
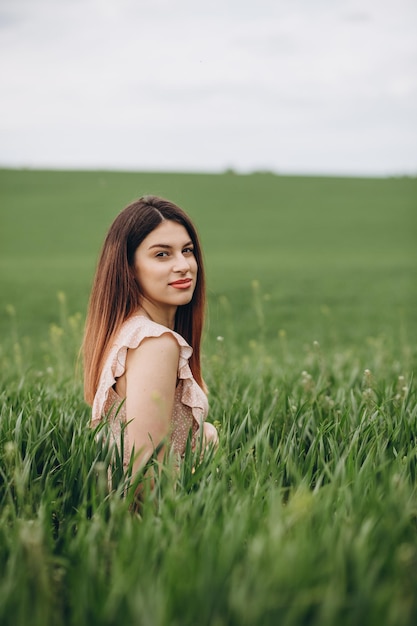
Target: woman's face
{"x": 166, "y": 267}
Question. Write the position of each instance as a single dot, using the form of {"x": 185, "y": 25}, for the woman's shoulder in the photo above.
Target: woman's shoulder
{"x": 138, "y": 327}
{"x": 130, "y": 336}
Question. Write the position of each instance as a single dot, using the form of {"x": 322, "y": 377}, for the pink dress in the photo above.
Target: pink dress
{"x": 190, "y": 402}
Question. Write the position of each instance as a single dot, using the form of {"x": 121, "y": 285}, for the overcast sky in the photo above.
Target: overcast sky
{"x": 297, "y": 86}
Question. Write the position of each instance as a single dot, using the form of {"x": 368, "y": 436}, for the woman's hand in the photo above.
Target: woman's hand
{"x": 210, "y": 435}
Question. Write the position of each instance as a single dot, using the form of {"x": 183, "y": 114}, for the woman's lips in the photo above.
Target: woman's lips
{"x": 184, "y": 283}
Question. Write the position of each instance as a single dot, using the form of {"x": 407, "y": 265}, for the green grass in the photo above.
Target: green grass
{"x": 307, "y": 513}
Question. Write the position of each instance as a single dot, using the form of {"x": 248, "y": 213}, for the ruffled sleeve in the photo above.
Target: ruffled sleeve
{"x": 131, "y": 335}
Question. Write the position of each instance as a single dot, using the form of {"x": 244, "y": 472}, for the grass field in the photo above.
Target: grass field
{"x": 307, "y": 513}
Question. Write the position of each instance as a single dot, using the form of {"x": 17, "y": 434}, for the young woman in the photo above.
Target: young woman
{"x": 143, "y": 332}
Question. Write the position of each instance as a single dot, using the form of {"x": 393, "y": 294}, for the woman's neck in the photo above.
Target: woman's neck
{"x": 165, "y": 317}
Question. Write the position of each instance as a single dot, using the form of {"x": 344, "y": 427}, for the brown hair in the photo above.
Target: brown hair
{"x": 116, "y": 294}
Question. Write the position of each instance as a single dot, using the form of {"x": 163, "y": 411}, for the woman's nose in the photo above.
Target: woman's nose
{"x": 181, "y": 264}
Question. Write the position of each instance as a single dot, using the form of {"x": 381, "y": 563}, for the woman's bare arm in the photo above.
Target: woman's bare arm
{"x": 150, "y": 378}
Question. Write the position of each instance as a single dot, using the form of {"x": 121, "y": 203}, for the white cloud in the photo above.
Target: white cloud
{"x": 288, "y": 85}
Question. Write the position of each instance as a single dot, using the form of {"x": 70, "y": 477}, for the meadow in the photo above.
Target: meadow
{"x": 307, "y": 512}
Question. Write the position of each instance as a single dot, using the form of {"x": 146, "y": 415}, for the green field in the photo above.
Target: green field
{"x": 307, "y": 512}
{"x": 334, "y": 257}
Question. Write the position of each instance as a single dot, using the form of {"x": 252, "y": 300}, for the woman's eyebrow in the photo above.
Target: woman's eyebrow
{"x": 167, "y": 246}
{"x": 159, "y": 245}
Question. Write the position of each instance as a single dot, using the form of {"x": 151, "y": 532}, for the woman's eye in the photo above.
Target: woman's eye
{"x": 161, "y": 254}
{"x": 188, "y": 251}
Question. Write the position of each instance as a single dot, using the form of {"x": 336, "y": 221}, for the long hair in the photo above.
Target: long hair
{"x": 116, "y": 294}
